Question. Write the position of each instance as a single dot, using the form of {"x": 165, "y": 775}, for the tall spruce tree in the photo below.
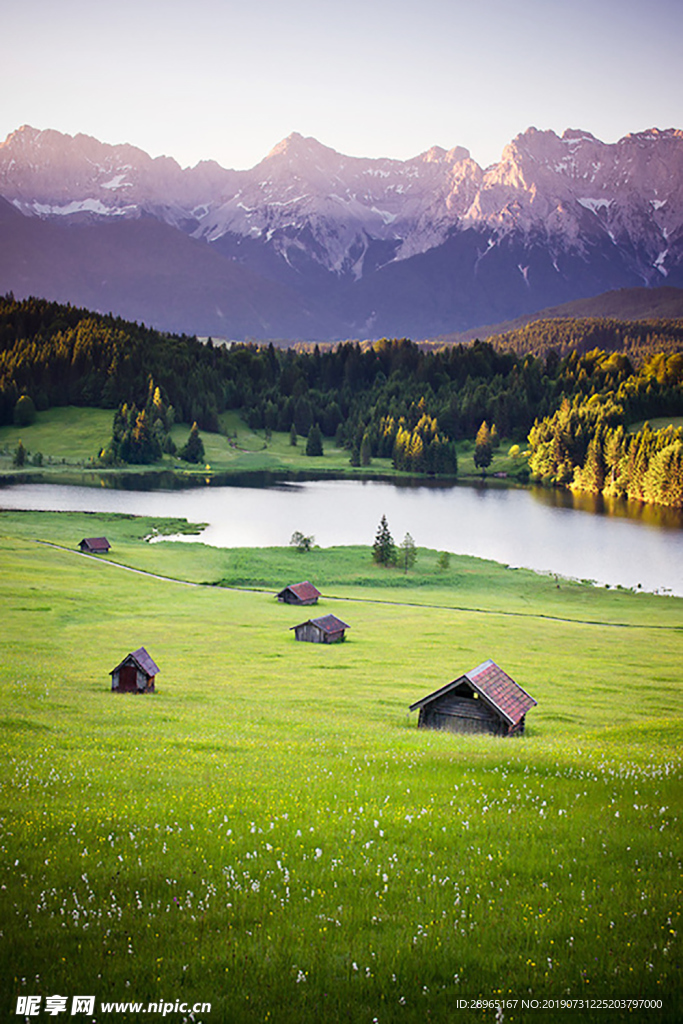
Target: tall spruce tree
{"x": 408, "y": 553}
{"x": 384, "y": 549}
{"x": 314, "y": 442}
{"x": 483, "y": 452}
{"x": 365, "y": 454}
{"x": 193, "y": 451}
{"x": 20, "y": 455}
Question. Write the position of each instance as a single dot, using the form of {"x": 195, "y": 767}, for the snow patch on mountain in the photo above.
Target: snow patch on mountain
{"x": 305, "y": 199}
{"x": 116, "y": 182}
{"x": 595, "y": 205}
{"x": 659, "y": 263}
{"x": 71, "y": 209}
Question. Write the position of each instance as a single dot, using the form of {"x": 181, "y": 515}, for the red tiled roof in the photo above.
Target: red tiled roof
{"x": 96, "y": 543}
{"x": 304, "y": 591}
{"x": 496, "y": 686}
{"x": 328, "y": 624}
{"x": 503, "y": 692}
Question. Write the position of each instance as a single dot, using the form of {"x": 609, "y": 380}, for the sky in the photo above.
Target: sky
{"x": 227, "y": 80}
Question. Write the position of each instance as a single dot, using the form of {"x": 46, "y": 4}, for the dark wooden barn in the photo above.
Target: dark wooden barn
{"x": 299, "y": 593}
{"x": 135, "y": 674}
{"x": 326, "y": 630}
{"x": 94, "y": 545}
{"x": 483, "y": 700}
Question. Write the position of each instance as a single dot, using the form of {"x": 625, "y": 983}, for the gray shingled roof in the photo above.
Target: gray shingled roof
{"x": 142, "y": 660}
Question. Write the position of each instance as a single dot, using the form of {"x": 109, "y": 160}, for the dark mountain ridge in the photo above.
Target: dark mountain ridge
{"x": 622, "y": 304}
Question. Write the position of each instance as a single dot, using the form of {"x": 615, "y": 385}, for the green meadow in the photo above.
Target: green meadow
{"x": 68, "y": 439}
{"x": 271, "y": 834}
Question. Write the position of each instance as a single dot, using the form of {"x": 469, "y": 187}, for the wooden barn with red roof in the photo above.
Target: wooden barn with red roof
{"x": 299, "y": 593}
{"x": 485, "y": 699}
{"x": 135, "y": 674}
{"x": 328, "y": 629}
{"x": 94, "y": 545}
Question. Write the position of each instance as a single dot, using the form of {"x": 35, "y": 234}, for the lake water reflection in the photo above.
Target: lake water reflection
{"x": 541, "y": 529}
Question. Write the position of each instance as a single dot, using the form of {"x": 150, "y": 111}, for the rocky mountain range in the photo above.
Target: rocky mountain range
{"x": 312, "y": 244}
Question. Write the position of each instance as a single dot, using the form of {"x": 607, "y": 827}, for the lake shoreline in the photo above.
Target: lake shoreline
{"x": 173, "y": 480}
{"x": 615, "y": 544}
{"x": 145, "y": 478}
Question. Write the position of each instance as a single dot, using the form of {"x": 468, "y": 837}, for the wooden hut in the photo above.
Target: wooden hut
{"x": 299, "y": 593}
{"x": 326, "y": 630}
{"x": 483, "y": 700}
{"x": 94, "y": 545}
{"x": 135, "y": 674}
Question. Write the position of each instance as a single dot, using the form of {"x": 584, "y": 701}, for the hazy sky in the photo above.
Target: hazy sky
{"x": 226, "y": 80}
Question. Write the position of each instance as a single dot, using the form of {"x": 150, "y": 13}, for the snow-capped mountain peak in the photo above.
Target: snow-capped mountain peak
{"x": 560, "y": 212}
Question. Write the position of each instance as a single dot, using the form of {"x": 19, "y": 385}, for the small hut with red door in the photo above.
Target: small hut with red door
{"x": 135, "y": 674}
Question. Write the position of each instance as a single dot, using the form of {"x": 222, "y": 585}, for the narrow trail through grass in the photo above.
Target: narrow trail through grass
{"x": 380, "y": 601}
{"x": 521, "y": 615}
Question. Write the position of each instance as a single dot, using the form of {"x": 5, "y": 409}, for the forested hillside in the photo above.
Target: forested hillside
{"x": 586, "y": 444}
{"x": 638, "y": 339}
{"x": 390, "y": 399}
{"x": 661, "y": 304}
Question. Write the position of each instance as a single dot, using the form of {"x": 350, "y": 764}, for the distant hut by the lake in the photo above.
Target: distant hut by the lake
{"x": 299, "y": 593}
{"x": 135, "y": 674}
{"x": 326, "y": 630}
{"x": 485, "y": 699}
{"x": 94, "y": 545}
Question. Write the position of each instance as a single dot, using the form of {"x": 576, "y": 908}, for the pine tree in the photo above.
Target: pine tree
{"x": 408, "y": 553}
{"x": 19, "y": 459}
{"x": 138, "y": 443}
{"x": 314, "y": 442}
{"x": 416, "y": 452}
{"x": 663, "y": 481}
{"x": 148, "y": 443}
{"x": 193, "y": 451}
{"x": 483, "y": 453}
{"x": 592, "y": 476}
{"x": 384, "y": 549}
{"x": 365, "y": 455}
{"x": 303, "y": 416}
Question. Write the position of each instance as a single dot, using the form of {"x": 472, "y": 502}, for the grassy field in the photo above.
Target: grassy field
{"x": 70, "y": 433}
{"x": 270, "y": 833}
{"x": 68, "y": 438}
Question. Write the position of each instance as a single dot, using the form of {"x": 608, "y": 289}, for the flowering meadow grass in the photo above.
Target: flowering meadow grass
{"x": 270, "y": 832}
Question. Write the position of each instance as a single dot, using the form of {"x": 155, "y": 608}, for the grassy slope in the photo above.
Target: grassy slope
{"x": 271, "y": 833}
{"x": 75, "y": 435}
{"x": 70, "y": 433}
